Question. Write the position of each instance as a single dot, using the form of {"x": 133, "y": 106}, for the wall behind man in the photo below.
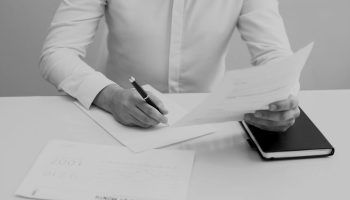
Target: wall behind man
{"x": 324, "y": 22}
{"x": 23, "y": 28}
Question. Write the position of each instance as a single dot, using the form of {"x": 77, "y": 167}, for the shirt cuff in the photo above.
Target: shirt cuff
{"x": 295, "y": 89}
{"x": 85, "y": 90}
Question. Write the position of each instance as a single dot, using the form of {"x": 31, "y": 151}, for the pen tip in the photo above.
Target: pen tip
{"x": 131, "y": 79}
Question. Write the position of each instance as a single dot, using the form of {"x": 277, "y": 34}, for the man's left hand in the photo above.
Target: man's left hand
{"x": 280, "y": 116}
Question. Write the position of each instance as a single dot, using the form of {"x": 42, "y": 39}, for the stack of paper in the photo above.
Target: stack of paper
{"x": 74, "y": 171}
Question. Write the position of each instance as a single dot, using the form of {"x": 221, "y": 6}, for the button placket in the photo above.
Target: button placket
{"x": 175, "y": 45}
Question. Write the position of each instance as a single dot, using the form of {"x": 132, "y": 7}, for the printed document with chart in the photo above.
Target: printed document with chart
{"x": 75, "y": 171}
{"x": 246, "y": 90}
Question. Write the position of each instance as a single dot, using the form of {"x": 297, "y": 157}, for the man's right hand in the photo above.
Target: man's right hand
{"x": 128, "y": 108}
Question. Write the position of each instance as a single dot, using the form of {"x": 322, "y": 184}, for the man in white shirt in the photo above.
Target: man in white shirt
{"x": 174, "y": 45}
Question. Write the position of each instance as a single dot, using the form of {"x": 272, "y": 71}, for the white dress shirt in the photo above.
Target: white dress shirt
{"x": 174, "y": 45}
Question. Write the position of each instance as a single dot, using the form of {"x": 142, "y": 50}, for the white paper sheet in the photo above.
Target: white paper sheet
{"x": 139, "y": 139}
{"x": 246, "y": 90}
{"x": 74, "y": 171}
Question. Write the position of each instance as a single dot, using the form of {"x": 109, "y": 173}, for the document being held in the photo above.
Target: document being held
{"x": 74, "y": 171}
{"x": 246, "y": 90}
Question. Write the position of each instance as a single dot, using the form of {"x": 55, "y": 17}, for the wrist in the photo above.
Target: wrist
{"x": 104, "y": 98}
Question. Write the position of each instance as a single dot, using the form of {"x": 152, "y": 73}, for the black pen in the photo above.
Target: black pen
{"x": 143, "y": 94}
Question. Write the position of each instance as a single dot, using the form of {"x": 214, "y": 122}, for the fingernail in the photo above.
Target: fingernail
{"x": 258, "y": 114}
{"x": 164, "y": 120}
{"x": 273, "y": 107}
{"x": 165, "y": 111}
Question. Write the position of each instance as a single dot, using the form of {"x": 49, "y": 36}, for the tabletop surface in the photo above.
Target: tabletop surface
{"x": 225, "y": 166}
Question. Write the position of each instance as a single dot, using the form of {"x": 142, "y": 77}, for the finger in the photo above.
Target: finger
{"x": 158, "y": 103}
{"x": 268, "y": 128}
{"x": 138, "y": 114}
{"x": 151, "y": 112}
{"x": 248, "y": 120}
{"x": 278, "y": 115}
{"x": 287, "y": 104}
{"x": 136, "y": 122}
{"x": 125, "y": 119}
{"x": 268, "y": 124}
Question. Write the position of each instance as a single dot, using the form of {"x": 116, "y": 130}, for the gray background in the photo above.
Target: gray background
{"x": 24, "y": 24}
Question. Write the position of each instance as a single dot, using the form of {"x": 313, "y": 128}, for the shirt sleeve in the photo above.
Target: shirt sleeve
{"x": 262, "y": 28}
{"x": 73, "y": 28}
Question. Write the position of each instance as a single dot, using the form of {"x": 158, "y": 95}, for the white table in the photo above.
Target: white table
{"x": 225, "y": 166}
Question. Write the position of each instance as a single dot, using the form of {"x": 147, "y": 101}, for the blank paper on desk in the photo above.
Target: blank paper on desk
{"x": 74, "y": 171}
{"x": 140, "y": 139}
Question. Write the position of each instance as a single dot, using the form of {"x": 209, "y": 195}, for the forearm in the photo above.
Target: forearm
{"x": 72, "y": 30}
{"x": 262, "y": 28}
{"x": 72, "y": 75}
